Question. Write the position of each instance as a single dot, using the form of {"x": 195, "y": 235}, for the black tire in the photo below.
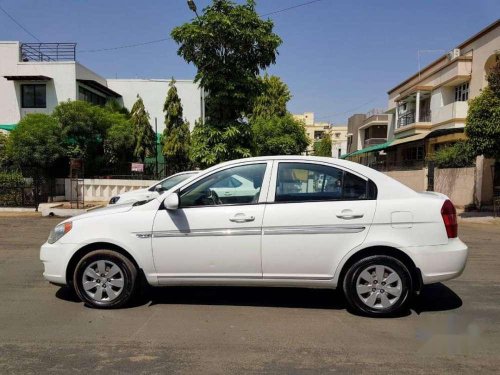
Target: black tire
{"x": 355, "y": 301}
{"x": 128, "y": 277}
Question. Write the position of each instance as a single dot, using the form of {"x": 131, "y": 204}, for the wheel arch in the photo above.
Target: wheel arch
{"x": 388, "y": 250}
{"x": 80, "y": 253}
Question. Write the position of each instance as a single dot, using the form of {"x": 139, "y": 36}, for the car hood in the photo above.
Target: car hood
{"x": 134, "y": 192}
{"x": 109, "y": 210}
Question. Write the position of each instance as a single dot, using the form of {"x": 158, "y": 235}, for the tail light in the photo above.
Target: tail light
{"x": 449, "y": 215}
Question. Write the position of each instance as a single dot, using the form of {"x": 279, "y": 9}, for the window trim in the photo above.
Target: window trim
{"x": 264, "y": 190}
{"x": 274, "y": 181}
{"x": 23, "y": 102}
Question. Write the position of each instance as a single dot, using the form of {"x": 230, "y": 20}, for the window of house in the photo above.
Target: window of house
{"x": 91, "y": 97}
{"x": 318, "y": 134}
{"x": 462, "y": 92}
{"x": 34, "y": 96}
{"x": 236, "y": 185}
{"x": 303, "y": 182}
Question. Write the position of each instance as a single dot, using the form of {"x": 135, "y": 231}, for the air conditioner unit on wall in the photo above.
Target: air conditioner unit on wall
{"x": 453, "y": 54}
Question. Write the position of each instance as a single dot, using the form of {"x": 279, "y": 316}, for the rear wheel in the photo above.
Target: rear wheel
{"x": 105, "y": 279}
{"x": 378, "y": 285}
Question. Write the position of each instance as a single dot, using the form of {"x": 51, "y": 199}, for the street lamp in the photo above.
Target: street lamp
{"x": 192, "y": 6}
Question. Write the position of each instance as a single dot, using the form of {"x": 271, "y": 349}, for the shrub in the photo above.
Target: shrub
{"x": 458, "y": 155}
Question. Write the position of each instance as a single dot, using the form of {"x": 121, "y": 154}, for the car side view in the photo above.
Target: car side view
{"x": 291, "y": 221}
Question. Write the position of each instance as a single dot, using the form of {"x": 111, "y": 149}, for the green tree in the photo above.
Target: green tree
{"x": 176, "y": 136}
{"x": 144, "y": 136}
{"x": 274, "y": 130}
{"x": 229, "y": 44}
{"x": 3, "y": 151}
{"x": 483, "y": 118}
{"x": 211, "y": 145}
{"x": 279, "y": 135}
{"x": 273, "y": 98}
{"x": 323, "y": 147}
{"x": 35, "y": 145}
{"x": 84, "y": 127}
{"x": 119, "y": 143}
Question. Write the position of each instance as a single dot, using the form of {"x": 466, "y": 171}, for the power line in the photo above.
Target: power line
{"x": 292, "y": 7}
{"x": 125, "y": 46}
{"x": 164, "y": 39}
{"x": 18, "y": 24}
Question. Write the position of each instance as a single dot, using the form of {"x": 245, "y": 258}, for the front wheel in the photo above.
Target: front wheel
{"x": 105, "y": 279}
{"x": 378, "y": 285}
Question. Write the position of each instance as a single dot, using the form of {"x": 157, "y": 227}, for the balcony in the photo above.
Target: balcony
{"x": 374, "y": 141}
{"x": 48, "y": 52}
{"x": 409, "y": 118}
{"x": 454, "y": 111}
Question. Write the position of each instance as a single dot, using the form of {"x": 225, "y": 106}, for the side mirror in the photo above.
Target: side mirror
{"x": 159, "y": 188}
{"x": 171, "y": 202}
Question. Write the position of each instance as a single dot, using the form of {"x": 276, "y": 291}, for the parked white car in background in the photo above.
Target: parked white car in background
{"x": 153, "y": 191}
{"x": 287, "y": 221}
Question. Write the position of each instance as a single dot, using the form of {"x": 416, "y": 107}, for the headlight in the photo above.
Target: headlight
{"x": 59, "y": 231}
{"x": 114, "y": 200}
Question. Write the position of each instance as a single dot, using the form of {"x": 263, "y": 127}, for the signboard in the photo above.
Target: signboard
{"x": 137, "y": 167}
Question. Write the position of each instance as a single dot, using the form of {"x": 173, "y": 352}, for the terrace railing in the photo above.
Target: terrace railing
{"x": 48, "y": 52}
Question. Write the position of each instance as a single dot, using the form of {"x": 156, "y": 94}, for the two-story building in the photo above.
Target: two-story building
{"x": 428, "y": 110}
{"x": 36, "y": 77}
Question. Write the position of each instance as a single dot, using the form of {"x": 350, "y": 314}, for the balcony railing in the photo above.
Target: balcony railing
{"x": 48, "y": 52}
{"x": 409, "y": 118}
{"x": 374, "y": 141}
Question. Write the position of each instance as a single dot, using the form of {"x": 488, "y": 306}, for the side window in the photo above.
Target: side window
{"x": 236, "y": 185}
{"x": 302, "y": 182}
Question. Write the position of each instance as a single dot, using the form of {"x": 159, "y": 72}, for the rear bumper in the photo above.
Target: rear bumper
{"x": 440, "y": 262}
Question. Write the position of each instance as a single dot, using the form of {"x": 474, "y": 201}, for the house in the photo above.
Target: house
{"x": 428, "y": 110}
{"x": 367, "y": 131}
{"x": 36, "y": 77}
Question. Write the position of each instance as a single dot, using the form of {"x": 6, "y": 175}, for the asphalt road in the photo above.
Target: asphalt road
{"x": 453, "y": 328}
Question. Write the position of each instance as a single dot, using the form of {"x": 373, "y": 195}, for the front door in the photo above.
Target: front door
{"x": 319, "y": 214}
{"x": 213, "y": 235}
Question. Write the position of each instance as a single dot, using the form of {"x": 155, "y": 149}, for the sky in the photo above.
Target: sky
{"x": 337, "y": 57}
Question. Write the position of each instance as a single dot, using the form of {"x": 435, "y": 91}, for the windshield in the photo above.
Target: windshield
{"x": 172, "y": 181}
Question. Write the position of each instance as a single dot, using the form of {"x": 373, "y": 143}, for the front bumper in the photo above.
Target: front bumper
{"x": 55, "y": 258}
{"x": 440, "y": 262}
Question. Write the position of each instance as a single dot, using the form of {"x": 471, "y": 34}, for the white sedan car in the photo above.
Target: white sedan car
{"x": 153, "y": 191}
{"x": 303, "y": 222}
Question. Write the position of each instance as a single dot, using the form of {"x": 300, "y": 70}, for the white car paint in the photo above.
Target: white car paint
{"x": 150, "y": 192}
{"x": 265, "y": 242}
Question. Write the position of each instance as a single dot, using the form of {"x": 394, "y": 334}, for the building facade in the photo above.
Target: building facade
{"x": 317, "y": 130}
{"x": 36, "y": 77}
{"x": 339, "y": 140}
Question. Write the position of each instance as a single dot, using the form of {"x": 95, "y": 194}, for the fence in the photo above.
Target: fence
{"x": 19, "y": 196}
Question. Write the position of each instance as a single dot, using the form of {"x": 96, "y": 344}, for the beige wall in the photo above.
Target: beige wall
{"x": 104, "y": 189}
{"x": 457, "y": 184}
{"x": 415, "y": 179}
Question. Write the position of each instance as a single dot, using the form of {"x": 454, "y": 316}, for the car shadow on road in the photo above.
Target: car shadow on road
{"x": 436, "y": 297}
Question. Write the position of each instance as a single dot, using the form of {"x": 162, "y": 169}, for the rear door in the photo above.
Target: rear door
{"x": 316, "y": 213}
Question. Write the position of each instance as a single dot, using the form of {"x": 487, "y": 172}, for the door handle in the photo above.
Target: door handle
{"x": 242, "y": 218}
{"x": 350, "y": 216}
